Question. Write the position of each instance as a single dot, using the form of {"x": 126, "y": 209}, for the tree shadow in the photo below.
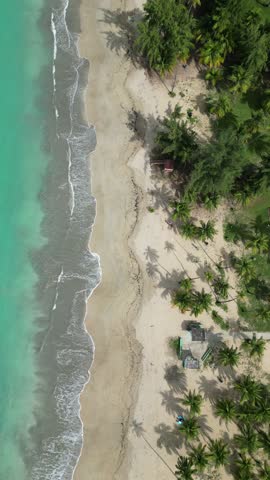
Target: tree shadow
{"x": 162, "y": 196}
{"x": 122, "y": 34}
{"x": 200, "y": 103}
{"x": 206, "y": 430}
{"x": 152, "y": 270}
{"x": 170, "y": 402}
{"x": 175, "y": 378}
{"x": 209, "y": 388}
{"x": 144, "y": 128}
{"x": 170, "y": 282}
{"x": 192, "y": 258}
{"x": 169, "y": 438}
{"x": 169, "y": 247}
{"x": 140, "y": 433}
{"x": 151, "y": 254}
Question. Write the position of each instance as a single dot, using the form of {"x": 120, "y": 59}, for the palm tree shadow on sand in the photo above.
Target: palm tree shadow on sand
{"x": 139, "y": 431}
{"x": 175, "y": 378}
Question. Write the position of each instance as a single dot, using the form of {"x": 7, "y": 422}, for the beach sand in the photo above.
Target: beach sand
{"x": 132, "y": 399}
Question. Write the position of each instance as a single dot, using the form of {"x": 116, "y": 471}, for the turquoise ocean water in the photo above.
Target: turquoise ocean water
{"x": 46, "y": 212}
{"x": 23, "y": 166}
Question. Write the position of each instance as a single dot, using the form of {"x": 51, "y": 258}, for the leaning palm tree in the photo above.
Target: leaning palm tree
{"x": 218, "y": 452}
{"x": 201, "y": 301}
{"x": 250, "y": 390}
{"x": 244, "y": 467}
{"x": 190, "y": 428}
{"x": 254, "y": 346}
{"x": 247, "y": 440}
{"x": 228, "y": 356}
{"x": 206, "y": 230}
{"x": 199, "y": 456}
{"x": 181, "y": 210}
{"x": 194, "y": 401}
{"x": 264, "y": 471}
{"x": 226, "y": 409}
{"x": 184, "y": 468}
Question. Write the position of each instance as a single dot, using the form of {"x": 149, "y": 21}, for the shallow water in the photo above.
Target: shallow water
{"x": 47, "y": 272}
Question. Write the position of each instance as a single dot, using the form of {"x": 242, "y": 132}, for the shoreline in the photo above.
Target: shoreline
{"x": 123, "y": 353}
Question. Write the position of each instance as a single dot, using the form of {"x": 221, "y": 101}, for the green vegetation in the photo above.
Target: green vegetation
{"x": 194, "y": 401}
{"x": 186, "y": 298}
{"x": 165, "y": 34}
{"x": 220, "y": 321}
{"x": 228, "y": 356}
{"x": 246, "y": 403}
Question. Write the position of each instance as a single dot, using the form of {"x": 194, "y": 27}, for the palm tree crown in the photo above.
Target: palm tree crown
{"x": 228, "y": 356}
{"x": 248, "y": 440}
{"x": 200, "y": 301}
{"x": 218, "y": 452}
{"x": 184, "y": 468}
{"x": 199, "y": 456}
{"x": 254, "y": 346}
{"x": 194, "y": 401}
{"x": 190, "y": 428}
{"x": 250, "y": 390}
{"x": 225, "y": 409}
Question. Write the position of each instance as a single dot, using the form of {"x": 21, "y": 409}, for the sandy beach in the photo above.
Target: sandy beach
{"x": 130, "y": 404}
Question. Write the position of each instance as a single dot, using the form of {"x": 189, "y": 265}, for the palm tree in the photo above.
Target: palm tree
{"x": 207, "y": 230}
{"x": 176, "y": 139}
{"x": 181, "y": 210}
{"x": 165, "y": 34}
{"x": 263, "y": 313}
{"x": 259, "y": 243}
{"x": 248, "y": 440}
{"x": 245, "y": 268}
{"x": 244, "y": 467}
{"x": 264, "y": 471}
{"x": 264, "y": 439}
{"x": 225, "y": 409}
{"x": 240, "y": 79}
{"x": 190, "y": 428}
{"x": 183, "y": 300}
{"x": 221, "y": 287}
{"x": 194, "y": 401}
{"x": 218, "y": 452}
{"x": 199, "y": 457}
{"x": 201, "y": 301}
{"x": 186, "y": 284}
{"x": 262, "y": 410}
{"x": 215, "y": 75}
{"x": 211, "y": 201}
{"x": 209, "y": 276}
{"x": 189, "y": 230}
{"x": 254, "y": 346}
{"x": 250, "y": 390}
{"x": 228, "y": 356}
{"x": 184, "y": 468}
{"x": 219, "y": 104}
{"x": 212, "y": 54}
